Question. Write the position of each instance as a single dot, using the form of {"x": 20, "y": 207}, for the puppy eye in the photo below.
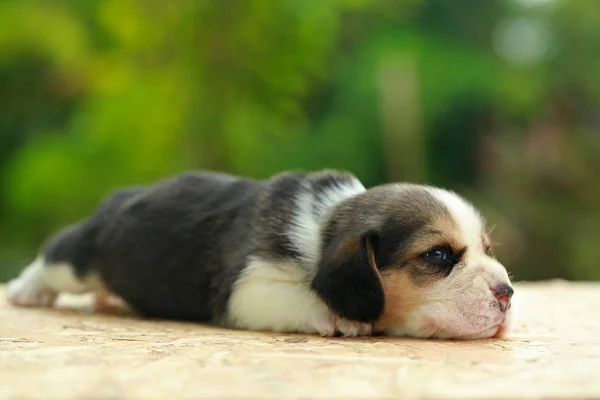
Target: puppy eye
{"x": 437, "y": 255}
{"x": 442, "y": 259}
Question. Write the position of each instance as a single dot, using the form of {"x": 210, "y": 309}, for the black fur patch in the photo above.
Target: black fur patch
{"x": 175, "y": 248}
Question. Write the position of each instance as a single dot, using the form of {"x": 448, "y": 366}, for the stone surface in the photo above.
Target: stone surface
{"x": 68, "y": 353}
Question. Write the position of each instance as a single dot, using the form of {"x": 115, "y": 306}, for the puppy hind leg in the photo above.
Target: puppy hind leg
{"x": 62, "y": 266}
{"x": 40, "y": 282}
{"x": 29, "y": 289}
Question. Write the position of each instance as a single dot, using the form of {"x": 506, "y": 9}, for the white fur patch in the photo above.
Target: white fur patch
{"x": 276, "y": 296}
{"x": 466, "y": 217}
{"x": 305, "y": 231}
{"x": 39, "y": 284}
{"x": 471, "y": 227}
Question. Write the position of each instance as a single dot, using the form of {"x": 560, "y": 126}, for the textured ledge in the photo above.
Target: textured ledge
{"x": 553, "y": 351}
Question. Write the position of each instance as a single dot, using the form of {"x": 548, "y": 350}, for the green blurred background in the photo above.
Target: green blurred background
{"x": 498, "y": 100}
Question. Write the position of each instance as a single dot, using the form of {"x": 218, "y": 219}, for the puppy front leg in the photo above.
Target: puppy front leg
{"x": 275, "y": 296}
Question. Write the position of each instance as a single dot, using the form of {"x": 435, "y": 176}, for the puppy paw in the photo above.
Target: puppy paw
{"x": 329, "y": 324}
{"x": 27, "y": 293}
{"x": 325, "y": 324}
{"x": 107, "y": 302}
{"x": 353, "y": 328}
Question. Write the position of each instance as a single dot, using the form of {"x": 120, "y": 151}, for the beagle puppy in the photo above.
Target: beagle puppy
{"x": 309, "y": 252}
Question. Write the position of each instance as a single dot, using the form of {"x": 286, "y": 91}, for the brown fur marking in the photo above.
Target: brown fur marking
{"x": 401, "y": 296}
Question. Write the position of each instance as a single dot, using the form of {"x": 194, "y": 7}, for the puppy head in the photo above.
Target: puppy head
{"x": 414, "y": 261}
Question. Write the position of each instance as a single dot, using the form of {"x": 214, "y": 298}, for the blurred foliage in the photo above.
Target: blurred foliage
{"x": 495, "y": 99}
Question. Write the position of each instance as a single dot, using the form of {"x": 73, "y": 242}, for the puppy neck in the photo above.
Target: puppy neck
{"x": 315, "y": 206}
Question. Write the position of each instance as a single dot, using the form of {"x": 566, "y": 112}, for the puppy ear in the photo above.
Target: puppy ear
{"x": 348, "y": 281}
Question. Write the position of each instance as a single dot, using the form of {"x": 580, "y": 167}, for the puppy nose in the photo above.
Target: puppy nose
{"x": 503, "y": 293}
